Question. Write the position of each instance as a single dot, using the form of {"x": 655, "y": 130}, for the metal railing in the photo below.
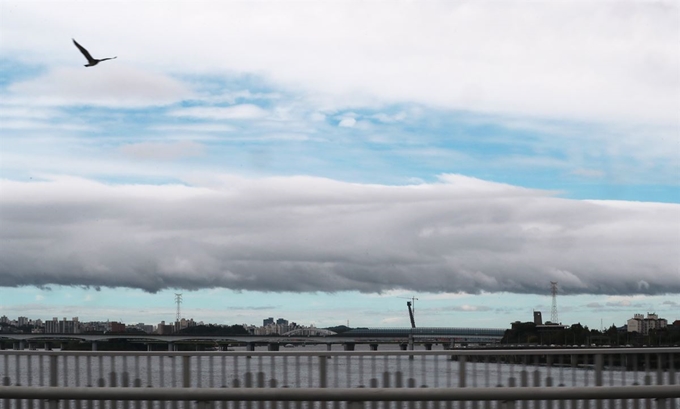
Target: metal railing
{"x": 620, "y": 378}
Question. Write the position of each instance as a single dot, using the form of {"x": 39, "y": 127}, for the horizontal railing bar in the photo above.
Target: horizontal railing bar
{"x": 449, "y": 352}
{"x": 341, "y": 394}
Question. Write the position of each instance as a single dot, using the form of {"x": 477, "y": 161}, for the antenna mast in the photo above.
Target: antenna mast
{"x": 178, "y": 301}
{"x": 553, "y": 313}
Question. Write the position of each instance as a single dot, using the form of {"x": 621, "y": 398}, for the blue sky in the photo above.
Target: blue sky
{"x": 319, "y": 161}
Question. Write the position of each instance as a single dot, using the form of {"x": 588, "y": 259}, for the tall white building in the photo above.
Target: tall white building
{"x": 65, "y": 326}
{"x": 52, "y": 326}
{"x": 642, "y": 325}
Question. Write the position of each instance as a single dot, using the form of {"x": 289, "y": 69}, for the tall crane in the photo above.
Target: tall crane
{"x": 410, "y": 313}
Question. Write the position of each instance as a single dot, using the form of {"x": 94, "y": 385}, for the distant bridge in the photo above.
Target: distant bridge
{"x": 428, "y": 332}
{"x": 359, "y": 335}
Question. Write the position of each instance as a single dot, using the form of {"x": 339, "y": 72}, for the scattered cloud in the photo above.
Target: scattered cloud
{"x": 244, "y": 111}
{"x": 589, "y": 173}
{"x": 163, "y": 151}
{"x": 386, "y": 118}
{"x": 469, "y": 308}
{"x": 347, "y": 122}
{"x": 21, "y": 125}
{"x": 622, "y": 303}
{"x": 392, "y": 320}
{"x": 114, "y": 86}
{"x": 203, "y": 127}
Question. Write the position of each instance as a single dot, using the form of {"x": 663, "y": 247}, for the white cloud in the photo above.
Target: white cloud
{"x": 382, "y": 117}
{"x": 116, "y": 86}
{"x": 317, "y": 117}
{"x": 26, "y": 113}
{"x": 35, "y": 125}
{"x": 243, "y": 111}
{"x": 347, "y": 122}
{"x": 310, "y": 234}
{"x": 216, "y": 128}
{"x": 599, "y": 61}
{"x": 470, "y": 308}
{"x": 589, "y": 173}
{"x": 163, "y": 151}
{"x": 622, "y": 303}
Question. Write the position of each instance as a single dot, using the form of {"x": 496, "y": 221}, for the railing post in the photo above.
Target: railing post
{"x": 323, "y": 372}
{"x": 5, "y": 382}
{"x": 599, "y": 363}
{"x": 186, "y": 371}
{"x": 510, "y": 404}
{"x": 53, "y": 378}
{"x": 53, "y": 370}
{"x": 355, "y": 405}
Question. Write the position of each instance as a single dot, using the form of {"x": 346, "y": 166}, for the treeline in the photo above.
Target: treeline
{"x": 339, "y": 329}
{"x": 530, "y": 333}
{"x": 24, "y": 329}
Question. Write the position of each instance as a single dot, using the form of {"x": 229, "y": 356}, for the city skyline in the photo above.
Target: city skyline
{"x": 432, "y": 310}
{"x": 327, "y": 161}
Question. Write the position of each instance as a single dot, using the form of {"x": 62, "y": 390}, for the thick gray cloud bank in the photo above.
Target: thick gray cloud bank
{"x": 311, "y": 234}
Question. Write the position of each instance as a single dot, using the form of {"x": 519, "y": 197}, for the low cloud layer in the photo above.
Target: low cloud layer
{"x": 308, "y": 234}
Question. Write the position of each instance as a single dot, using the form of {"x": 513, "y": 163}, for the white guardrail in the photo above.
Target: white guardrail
{"x": 603, "y": 378}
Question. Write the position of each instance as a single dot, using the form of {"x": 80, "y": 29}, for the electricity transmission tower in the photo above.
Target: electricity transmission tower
{"x": 553, "y": 313}
{"x": 178, "y": 301}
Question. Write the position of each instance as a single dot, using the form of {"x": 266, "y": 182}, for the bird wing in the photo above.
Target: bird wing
{"x": 84, "y": 51}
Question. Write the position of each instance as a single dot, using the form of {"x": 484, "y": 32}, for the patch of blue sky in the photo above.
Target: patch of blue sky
{"x": 13, "y": 70}
{"x": 612, "y": 191}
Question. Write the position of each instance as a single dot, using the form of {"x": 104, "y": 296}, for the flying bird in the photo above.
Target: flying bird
{"x": 91, "y": 62}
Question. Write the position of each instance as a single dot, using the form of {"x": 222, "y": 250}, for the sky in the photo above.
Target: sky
{"x": 324, "y": 162}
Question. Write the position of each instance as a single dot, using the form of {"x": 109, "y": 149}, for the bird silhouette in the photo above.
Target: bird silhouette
{"x": 91, "y": 62}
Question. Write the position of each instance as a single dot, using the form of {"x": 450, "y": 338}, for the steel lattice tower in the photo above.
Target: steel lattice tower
{"x": 178, "y": 300}
{"x": 553, "y": 313}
